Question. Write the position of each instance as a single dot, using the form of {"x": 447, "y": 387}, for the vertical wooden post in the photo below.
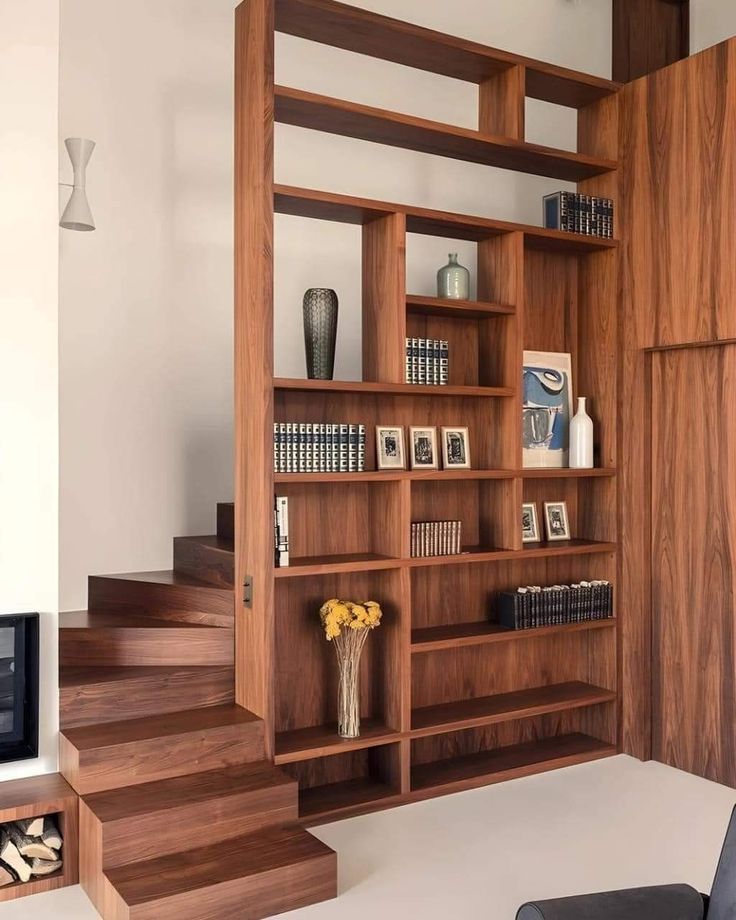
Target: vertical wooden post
{"x": 501, "y": 101}
{"x": 384, "y": 299}
{"x": 254, "y": 108}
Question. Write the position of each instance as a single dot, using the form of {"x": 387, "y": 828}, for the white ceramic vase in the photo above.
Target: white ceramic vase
{"x": 581, "y": 438}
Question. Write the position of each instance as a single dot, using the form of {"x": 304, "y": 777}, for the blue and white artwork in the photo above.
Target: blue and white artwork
{"x": 547, "y": 408}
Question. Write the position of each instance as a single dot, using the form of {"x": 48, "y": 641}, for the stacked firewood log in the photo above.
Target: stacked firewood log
{"x": 29, "y": 848}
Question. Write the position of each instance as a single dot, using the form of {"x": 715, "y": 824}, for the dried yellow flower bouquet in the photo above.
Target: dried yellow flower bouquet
{"x": 347, "y": 626}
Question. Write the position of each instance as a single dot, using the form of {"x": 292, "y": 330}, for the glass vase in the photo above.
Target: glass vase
{"x": 348, "y": 698}
{"x": 453, "y": 280}
{"x": 320, "y": 332}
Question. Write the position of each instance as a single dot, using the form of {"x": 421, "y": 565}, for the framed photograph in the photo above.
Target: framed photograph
{"x": 423, "y": 448}
{"x": 547, "y": 408}
{"x": 455, "y": 449}
{"x": 529, "y": 523}
{"x": 555, "y": 519}
{"x": 390, "y": 447}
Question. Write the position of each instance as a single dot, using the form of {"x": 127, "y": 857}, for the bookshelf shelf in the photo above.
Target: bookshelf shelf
{"x": 387, "y": 389}
{"x": 350, "y": 119}
{"x": 350, "y": 533}
{"x": 323, "y": 740}
{"x": 459, "y": 635}
{"x": 506, "y": 707}
{"x": 504, "y": 763}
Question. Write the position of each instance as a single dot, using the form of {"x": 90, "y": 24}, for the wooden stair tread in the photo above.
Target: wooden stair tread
{"x": 79, "y": 676}
{"x": 162, "y": 795}
{"x": 178, "y": 873}
{"x": 163, "y": 577}
{"x": 221, "y": 544}
{"x": 114, "y": 619}
{"x": 90, "y": 737}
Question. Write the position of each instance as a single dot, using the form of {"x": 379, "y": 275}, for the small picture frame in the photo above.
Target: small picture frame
{"x": 556, "y": 522}
{"x": 423, "y": 448}
{"x": 529, "y": 523}
{"x": 455, "y": 449}
{"x": 390, "y": 447}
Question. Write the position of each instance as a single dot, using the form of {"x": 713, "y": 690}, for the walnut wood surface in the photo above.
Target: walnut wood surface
{"x": 210, "y": 559}
{"x": 365, "y": 32}
{"x": 437, "y": 638}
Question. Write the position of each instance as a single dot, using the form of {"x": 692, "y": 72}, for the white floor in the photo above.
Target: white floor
{"x": 477, "y": 855}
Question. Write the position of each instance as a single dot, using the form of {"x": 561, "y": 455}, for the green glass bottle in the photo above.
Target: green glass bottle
{"x": 453, "y": 280}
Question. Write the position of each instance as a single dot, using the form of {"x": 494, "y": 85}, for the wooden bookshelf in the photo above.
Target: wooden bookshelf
{"x": 450, "y": 700}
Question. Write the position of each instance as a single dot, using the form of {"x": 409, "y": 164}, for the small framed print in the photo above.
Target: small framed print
{"x": 423, "y": 448}
{"x": 529, "y": 523}
{"x": 556, "y": 522}
{"x": 390, "y": 447}
{"x": 455, "y": 449}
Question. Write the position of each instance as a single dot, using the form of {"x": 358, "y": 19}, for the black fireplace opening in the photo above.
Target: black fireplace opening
{"x": 18, "y": 687}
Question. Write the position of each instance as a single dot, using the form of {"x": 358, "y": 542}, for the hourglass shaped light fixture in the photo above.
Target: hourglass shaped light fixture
{"x": 77, "y": 214}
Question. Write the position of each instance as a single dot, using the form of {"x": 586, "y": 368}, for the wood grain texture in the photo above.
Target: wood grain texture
{"x": 351, "y": 119}
{"x": 678, "y": 134}
{"x": 648, "y": 35}
{"x": 116, "y": 754}
{"x": 384, "y": 291}
{"x": 95, "y": 694}
{"x": 210, "y": 559}
{"x": 694, "y": 562}
{"x": 501, "y": 103}
{"x": 365, "y": 32}
{"x": 253, "y": 475}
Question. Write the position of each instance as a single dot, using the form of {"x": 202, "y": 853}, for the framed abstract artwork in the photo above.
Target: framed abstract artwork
{"x": 546, "y": 409}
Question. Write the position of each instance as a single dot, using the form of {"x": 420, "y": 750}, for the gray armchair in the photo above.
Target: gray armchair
{"x": 662, "y": 902}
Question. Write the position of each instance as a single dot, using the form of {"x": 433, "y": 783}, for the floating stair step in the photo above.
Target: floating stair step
{"x": 114, "y": 754}
{"x": 123, "y": 638}
{"x": 167, "y": 595}
{"x": 152, "y": 820}
{"x": 210, "y": 559}
{"x": 255, "y": 876}
{"x": 90, "y": 694}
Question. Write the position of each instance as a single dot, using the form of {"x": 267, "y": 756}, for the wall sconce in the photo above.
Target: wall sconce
{"x": 77, "y": 214}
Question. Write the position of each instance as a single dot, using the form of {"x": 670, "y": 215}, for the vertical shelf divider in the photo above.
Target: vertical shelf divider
{"x": 501, "y": 101}
{"x": 384, "y": 299}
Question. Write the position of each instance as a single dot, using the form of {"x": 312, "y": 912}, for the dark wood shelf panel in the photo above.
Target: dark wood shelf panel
{"x": 323, "y": 740}
{"x": 506, "y": 707}
{"x": 300, "y": 202}
{"x": 506, "y": 763}
{"x": 437, "y": 638}
{"x": 301, "y": 566}
{"x": 404, "y": 43}
{"x": 532, "y": 551}
{"x": 395, "y": 476}
{"x": 351, "y": 119}
{"x": 352, "y": 795}
{"x": 386, "y": 389}
{"x": 596, "y": 473}
{"x": 419, "y": 305}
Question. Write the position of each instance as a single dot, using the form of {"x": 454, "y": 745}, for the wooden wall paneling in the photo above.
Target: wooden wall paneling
{"x": 501, "y": 100}
{"x": 384, "y": 299}
{"x": 694, "y": 561}
{"x": 254, "y": 102}
{"x": 648, "y": 35}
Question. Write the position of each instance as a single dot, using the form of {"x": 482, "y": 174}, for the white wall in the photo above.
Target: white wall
{"x": 146, "y": 301}
{"x": 711, "y": 21}
{"x": 29, "y": 453}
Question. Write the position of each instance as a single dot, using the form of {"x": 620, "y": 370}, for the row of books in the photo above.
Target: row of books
{"x": 281, "y": 531}
{"x": 575, "y": 213}
{"x": 427, "y": 361}
{"x": 436, "y": 538}
{"x": 531, "y": 607}
{"x": 301, "y": 447}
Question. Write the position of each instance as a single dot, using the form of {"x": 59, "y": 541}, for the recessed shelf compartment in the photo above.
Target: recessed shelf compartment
{"x": 350, "y": 119}
{"x": 504, "y": 707}
{"x": 323, "y": 740}
{"x": 458, "y": 635}
{"x": 330, "y": 787}
{"x": 509, "y": 762}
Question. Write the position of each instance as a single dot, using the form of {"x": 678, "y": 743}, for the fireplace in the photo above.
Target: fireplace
{"x": 18, "y": 687}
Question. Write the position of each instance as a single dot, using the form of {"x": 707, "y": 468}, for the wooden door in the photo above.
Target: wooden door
{"x": 693, "y": 544}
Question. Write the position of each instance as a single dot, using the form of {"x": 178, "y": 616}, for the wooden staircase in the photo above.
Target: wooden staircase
{"x": 180, "y": 814}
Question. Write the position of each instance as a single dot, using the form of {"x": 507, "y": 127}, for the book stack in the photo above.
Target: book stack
{"x": 560, "y": 605}
{"x": 427, "y": 361}
{"x": 575, "y": 213}
{"x": 436, "y": 538}
{"x": 318, "y": 448}
{"x": 281, "y": 531}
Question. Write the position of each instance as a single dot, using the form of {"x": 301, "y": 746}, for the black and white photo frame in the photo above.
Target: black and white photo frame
{"x": 423, "y": 448}
{"x": 556, "y": 521}
{"x": 390, "y": 454}
{"x": 530, "y": 523}
{"x": 455, "y": 449}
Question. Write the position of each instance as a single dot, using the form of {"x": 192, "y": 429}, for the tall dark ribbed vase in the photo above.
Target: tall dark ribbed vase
{"x": 320, "y": 332}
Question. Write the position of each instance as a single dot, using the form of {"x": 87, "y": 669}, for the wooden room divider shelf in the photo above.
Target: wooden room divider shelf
{"x": 450, "y": 700}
